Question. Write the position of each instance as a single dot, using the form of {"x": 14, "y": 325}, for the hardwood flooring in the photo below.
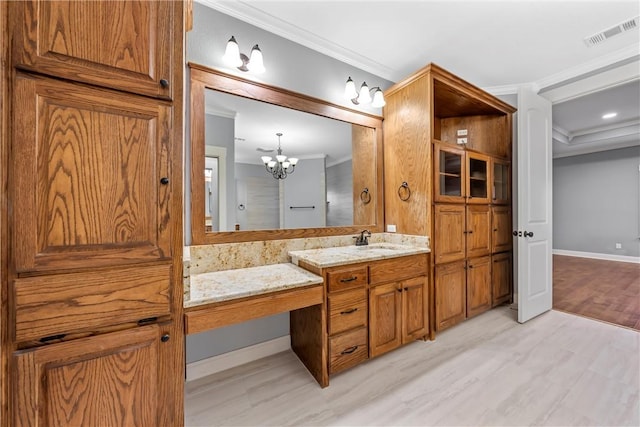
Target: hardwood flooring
{"x": 557, "y": 370}
{"x": 599, "y": 289}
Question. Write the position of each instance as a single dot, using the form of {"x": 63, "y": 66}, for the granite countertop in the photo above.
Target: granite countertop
{"x": 206, "y": 288}
{"x": 342, "y": 255}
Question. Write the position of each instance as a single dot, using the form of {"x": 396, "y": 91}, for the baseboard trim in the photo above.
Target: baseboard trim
{"x": 229, "y": 360}
{"x": 608, "y": 257}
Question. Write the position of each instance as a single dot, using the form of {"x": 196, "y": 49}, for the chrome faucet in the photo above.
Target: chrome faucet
{"x": 363, "y": 238}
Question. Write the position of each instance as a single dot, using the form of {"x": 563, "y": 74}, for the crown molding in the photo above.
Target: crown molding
{"x": 251, "y": 15}
{"x": 510, "y": 89}
{"x": 630, "y": 124}
{"x": 561, "y": 135}
{"x": 220, "y": 113}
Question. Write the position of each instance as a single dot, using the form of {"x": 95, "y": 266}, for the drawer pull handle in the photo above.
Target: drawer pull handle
{"x": 349, "y": 350}
{"x": 350, "y": 279}
{"x": 351, "y": 310}
{"x": 164, "y": 83}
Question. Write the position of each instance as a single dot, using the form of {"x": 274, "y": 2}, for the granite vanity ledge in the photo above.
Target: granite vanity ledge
{"x": 218, "y": 286}
{"x": 343, "y": 255}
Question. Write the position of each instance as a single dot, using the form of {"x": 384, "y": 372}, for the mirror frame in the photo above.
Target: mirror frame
{"x": 202, "y": 78}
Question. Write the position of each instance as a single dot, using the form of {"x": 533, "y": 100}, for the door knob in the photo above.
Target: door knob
{"x": 528, "y": 234}
{"x": 517, "y": 233}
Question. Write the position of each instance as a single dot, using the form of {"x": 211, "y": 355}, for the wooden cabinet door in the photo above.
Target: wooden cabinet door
{"x": 478, "y": 285}
{"x": 449, "y": 242}
{"x": 450, "y": 294}
{"x": 502, "y": 239}
{"x": 91, "y": 176}
{"x": 415, "y": 322}
{"x": 126, "y": 45}
{"x": 501, "y": 278}
{"x": 478, "y": 230}
{"x": 478, "y": 178}
{"x": 449, "y": 174}
{"x": 385, "y": 321}
{"x": 501, "y": 182}
{"x": 110, "y": 380}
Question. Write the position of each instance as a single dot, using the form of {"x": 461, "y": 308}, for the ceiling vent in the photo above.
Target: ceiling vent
{"x": 604, "y": 35}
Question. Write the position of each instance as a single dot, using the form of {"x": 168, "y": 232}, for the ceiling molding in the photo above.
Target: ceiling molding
{"x": 593, "y": 66}
{"x": 595, "y": 148}
{"x": 220, "y": 113}
{"x": 561, "y": 135}
{"x": 627, "y": 124}
{"x": 502, "y": 90}
{"x": 247, "y": 13}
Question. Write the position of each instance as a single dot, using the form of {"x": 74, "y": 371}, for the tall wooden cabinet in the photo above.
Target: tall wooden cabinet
{"x": 449, "y": 143}
{"x": 94, "y": 292}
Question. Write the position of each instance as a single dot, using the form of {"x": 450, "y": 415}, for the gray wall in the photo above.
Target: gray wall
{"x": 306, "y": 187}
{"x": 596, "y": 200}
{"x": 340, "y": 194}
{"x": 220, "y": 132}
{"x": 290, "y": 66}
{"x": 259, "y": 193}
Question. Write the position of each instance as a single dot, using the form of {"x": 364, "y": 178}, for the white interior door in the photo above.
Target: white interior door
{"x": 534, "y": 217}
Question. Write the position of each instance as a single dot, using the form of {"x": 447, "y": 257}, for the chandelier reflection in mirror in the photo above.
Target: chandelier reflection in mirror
{"x": 281, "y": 167}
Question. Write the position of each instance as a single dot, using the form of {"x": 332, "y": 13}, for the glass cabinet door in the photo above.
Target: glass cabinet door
{"x": 449, "y": 174}
{"x": 501, "y": 188}
{"x": 478, "y": 178}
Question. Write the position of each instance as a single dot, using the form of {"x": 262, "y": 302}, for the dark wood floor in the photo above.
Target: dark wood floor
{"x": 599, "y": 289}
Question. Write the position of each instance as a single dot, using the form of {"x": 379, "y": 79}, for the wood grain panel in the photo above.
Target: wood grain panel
{"x": 87, "y": 165}
{"x": 347, "y": 310}
{"x": 501, "y": 278}
{"x": 478, "y": 230}
{"x": 394, "y": 269}
{"x": 110, "y": 379}
{"x": 347, "y": 350}
{"x": 449, "y": 242}
{"x": 415, "y": 323}
{"x": 307, "y": 327}
{"x": 450, "y": 294}
{"x": 502, "y": 239}
{"x": 385, "y": 318}
{"x": 54, "y": 37}
{"x": 364, "y": 170}
{"x": 215, "y": 315}
{"x": 478, "y": 285}
{"x": 65, "y": 303}
{"x": 407, "y": 157}
{"x": 347, "y": 277}
{"x": 486, "y": 134}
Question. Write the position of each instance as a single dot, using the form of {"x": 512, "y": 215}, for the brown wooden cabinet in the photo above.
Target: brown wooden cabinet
{"x": 385, "y": 332}
{"x": 501, "y": 278}
{"x": 478, "y": 230}
{"x": 501, "y": 181}
{"x": 461, "y": 176}
{"x": 125, "y": 45}
{"x": 502, "y": 237}
{"x": 478, "y": 285}
{"x": 450, "y": 294}
{"x": 94, "y": 289}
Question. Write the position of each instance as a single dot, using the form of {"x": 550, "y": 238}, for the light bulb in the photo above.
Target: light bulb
{"x": 256, "y": 63}
{"x": 365, "y": 96}
{"x": 232, "y": 53}
{"x": 350, "y": 91}
{"x": 378, "y": 99}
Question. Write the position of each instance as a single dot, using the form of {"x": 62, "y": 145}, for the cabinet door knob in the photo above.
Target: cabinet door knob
{"x": 165, "y": 338}
{"x": 164, "y": 83}
{"x": 164, "y": 180}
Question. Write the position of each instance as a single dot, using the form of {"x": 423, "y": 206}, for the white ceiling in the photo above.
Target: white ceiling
{"x": 493, "y": 44}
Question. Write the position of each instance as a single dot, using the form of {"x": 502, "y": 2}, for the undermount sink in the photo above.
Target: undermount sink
{"x": 382, "y": 246}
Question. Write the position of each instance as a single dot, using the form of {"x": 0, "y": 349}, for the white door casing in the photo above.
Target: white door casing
{"x": 534, "y": 252}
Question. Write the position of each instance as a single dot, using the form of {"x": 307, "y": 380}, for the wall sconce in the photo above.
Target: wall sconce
{"x": 233, "y": 58}
{"x": 364, "y": 95}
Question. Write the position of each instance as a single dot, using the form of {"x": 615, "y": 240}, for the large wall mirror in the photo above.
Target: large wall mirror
{"x": 333, "y": 178}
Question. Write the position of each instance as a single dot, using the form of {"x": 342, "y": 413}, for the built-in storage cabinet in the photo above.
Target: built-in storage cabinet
{"x": 449, "y": 185}
{"x": 124, "y": 45}
{"x": 478, "y": 178}
{"x": 478, "y": 285}
{"x": 501, "y": 179}
{"x": 478, "y": 230}
{"x": 450, "y": 294}
{"x": 501, "y": 239}
{"x": 501, "y": 278}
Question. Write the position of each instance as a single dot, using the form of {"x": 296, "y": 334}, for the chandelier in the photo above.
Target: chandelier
{"x": 281, "y": 167}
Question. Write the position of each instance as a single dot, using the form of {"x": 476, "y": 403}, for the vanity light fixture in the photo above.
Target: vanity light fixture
{"x": 364, "y": 95}
{"x": 609, "y": 115}
{"x": 233, "y": 58}
{"x": 281, "y": 167}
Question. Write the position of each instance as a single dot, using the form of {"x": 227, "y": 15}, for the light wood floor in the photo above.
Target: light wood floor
{"x": 600, "y": 289}
{"x": 557, "y": 370}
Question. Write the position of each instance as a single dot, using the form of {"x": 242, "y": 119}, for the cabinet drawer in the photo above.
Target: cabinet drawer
{"x": 347, "y": 350}
{"x": 66, "y": 303}
{"x": 347, "y": 310}
{"x": 398, "y": 269}
{"x": 347, "y": 278}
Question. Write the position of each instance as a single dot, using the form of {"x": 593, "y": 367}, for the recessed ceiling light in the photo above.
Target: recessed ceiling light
{"x": 609, "y": 115}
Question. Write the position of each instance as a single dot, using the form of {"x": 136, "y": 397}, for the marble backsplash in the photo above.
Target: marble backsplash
{"x": 229, "y": 256}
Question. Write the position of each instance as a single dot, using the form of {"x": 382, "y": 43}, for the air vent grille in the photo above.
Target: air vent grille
{"x": 604, "y": 35}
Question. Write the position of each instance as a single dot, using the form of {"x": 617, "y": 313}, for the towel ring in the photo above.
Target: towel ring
{"x": 365, "y": 196}
{"x": 404, "y": 188}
